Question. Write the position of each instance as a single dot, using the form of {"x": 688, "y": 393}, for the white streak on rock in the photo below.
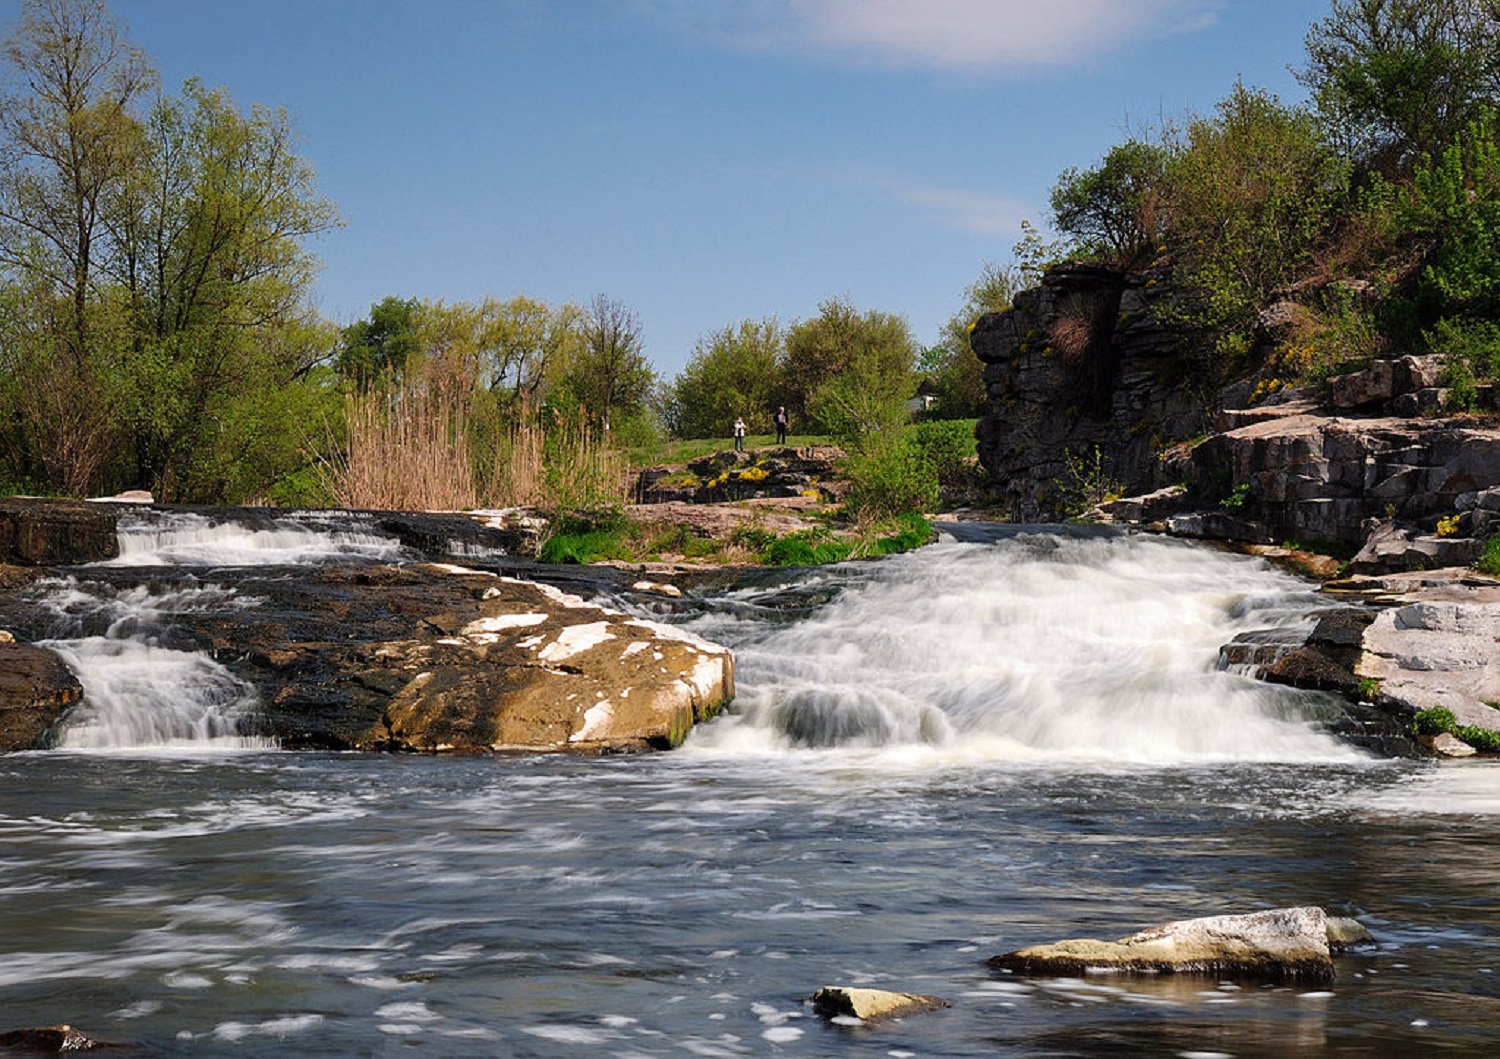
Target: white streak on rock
{"x": 595, "y": 721}
{"x": 576, "y": 639}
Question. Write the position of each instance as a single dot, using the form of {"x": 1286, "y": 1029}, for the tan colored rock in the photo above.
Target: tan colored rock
{"x": 871, "y": 1005}
{"x": 1446, "y": 744}
{"x": 1283, "y": 944}
{"x": 536, "y": 669}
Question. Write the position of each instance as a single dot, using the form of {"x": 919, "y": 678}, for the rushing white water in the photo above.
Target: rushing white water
{"x": 1033, "y": 648}
{"x": 139, "y": 694}
{"x": 188, "y": 539}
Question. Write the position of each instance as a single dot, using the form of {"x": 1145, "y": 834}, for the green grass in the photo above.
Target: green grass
{"x": 1489, "y": 562}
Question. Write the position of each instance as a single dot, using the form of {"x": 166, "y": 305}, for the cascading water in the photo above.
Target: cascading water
{"x": 138, "y": 692}
{"x": 188, "y": 539}
{"x": 142, "y": 691}
{"x": 1036, "y": 647}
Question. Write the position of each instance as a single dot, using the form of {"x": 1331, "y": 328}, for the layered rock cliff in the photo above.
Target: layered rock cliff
{"x": 1094, "y": 396}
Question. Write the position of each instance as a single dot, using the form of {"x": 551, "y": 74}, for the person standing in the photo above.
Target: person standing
{"x": 739, "y": 434}
{"x": 781, "y": 425}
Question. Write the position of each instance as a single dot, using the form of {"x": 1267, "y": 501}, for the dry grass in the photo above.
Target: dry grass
{"x": 407, "y": 451}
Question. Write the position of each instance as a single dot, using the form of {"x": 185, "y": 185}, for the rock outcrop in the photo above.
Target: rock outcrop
{"x": 1085, "y": 389}
{"x": 1280, "y": 945}
{"x": 438, "y": 658}
{"x": 36, "y": 689}
{"x": 729, "y": 476}
{"x": 35, "y": 532}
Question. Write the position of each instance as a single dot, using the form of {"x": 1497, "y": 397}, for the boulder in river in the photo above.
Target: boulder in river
{"x": 48, "y": 1040}
{"x": 36, "y": 532}
{"x": 1278, "y": 945}
{"x": 434, "y": 657}
{"x": 871, "y": 1005}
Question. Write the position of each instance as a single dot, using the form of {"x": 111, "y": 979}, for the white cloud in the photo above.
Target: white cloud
{"x": 985, "y": 36}
{"x": 976, "y": 212}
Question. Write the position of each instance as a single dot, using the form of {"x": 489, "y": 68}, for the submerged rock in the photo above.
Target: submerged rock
{"x": 1279, "y": 945}
{"x": 48, "y": 1040}
{"x": 871, "y": 1005}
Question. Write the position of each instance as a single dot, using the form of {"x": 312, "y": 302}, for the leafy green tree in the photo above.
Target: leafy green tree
{"x": 610, "y": 377}
{"x": 1249, "y": 192}
{"x": 160, "y": 257}
{"x": 736, "y": 371}
{"x": 67, "y": 138}
{"x": 1114, "y": 210}
{"x": 843, "y": 363}
{"x": 1398, "y": 79}
{"x": 379, "y": 348}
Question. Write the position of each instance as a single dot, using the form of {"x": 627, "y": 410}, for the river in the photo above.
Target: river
{"x": 998, "y": 740}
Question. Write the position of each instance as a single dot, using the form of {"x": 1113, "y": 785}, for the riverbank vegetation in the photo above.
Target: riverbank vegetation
{"x": 1371, "y": 213}
{"x": 157, "y": 329}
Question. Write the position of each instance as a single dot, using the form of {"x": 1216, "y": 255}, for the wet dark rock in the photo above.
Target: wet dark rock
{"x": 36, "y": 689}
{"x": 49, "y": 1040}
{"x": 47, "y": 532}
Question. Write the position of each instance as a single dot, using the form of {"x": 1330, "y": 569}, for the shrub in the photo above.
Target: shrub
{"x": 1486, "y": 740}
{"x": 807, "y": 548}
{"x": 1489, "y": 561}
{"x": 1433, "y": 722}
{"x": 891, "y": 476}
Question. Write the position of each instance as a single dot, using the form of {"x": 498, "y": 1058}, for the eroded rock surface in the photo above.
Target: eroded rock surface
{"x": 1280, "y": 945}
{"x": 437, "y": 657}
{"x": 36, "y": 688}
{"x": 36, "y": 532}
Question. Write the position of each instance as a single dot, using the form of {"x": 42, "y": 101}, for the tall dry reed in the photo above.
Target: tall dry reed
{"x": 407, "y": 450}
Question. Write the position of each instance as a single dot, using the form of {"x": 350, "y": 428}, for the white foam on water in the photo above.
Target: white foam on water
{"x": 189, "y": 539}
{"x": 1038, "y": 648}
{"x": 136, "y": 695}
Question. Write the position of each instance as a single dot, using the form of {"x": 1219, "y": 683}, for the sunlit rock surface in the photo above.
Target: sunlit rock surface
{"x": 438, "y": 657}
{"x": 871, "y": 1005}
{"x": 1283, "y": 944}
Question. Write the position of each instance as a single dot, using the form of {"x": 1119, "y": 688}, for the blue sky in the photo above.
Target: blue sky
{"x": 704, "y": 161}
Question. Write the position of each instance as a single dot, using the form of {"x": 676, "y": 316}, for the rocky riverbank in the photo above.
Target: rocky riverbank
{"x": 437, "y": 655}
{"x": 1096, "y": 413}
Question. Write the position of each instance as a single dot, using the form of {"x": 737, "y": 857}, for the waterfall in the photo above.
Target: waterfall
{"x": 152, "y": 538}
{"x": 1031, "y": 646}
{"x": 137, "y": 692}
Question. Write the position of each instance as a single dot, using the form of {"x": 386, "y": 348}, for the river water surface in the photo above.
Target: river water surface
{"x": 934, "y": 758}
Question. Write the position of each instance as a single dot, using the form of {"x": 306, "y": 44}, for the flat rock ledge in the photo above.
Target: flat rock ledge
{"x": 871, "y": 1005}
{"x": 503, "y": 665}
{"x": 1278, "y": 945}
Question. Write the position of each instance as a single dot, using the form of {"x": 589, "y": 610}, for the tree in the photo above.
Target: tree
{"x": 736, "y": 371}
{"x": 611, "y": 378}
{"x": 159, "y": 256}
{"x": 1249, "y": 192}
{"x": 840, "y": 342}
{"x": 1399, "y": 79}
{"x": 67, "y": 137}
{"x": 1114, "y": 211}
{"x": 528, "y": 345}
{"x": 380, "y": 347}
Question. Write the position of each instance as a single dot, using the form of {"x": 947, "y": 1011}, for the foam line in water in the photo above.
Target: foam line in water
{"x": 1034, "y": 648}
{"x": 188, "y": 539}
